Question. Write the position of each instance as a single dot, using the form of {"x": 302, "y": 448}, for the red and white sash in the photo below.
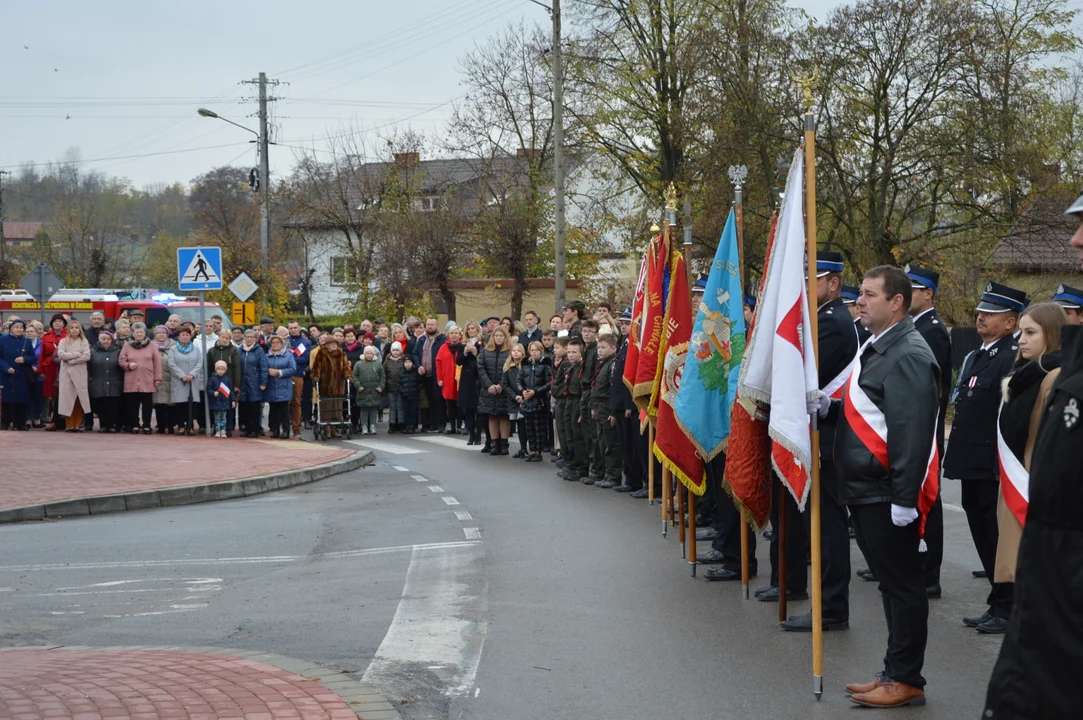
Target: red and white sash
{"x": 1014, "y": 479}
{"x": 869, "y": 424}
{"x": 834, "y": 388}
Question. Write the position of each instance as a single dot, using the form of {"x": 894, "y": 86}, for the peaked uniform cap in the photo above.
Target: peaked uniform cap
{"x": 923, "y": 278}
{"x": 1069, "y": 297}
{"x": 999, "y": 298}
{"x": 829, "y": 262}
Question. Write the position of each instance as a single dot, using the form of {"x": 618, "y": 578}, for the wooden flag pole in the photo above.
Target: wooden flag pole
{"x": 782, "y": 569}
{"x": 738, "y": 174}
{"x": 667, "y": 498}
{"x": 687, "y": 247}
{"x": 680, "y": 517}
{"x": 808, "y": 83}
{"x": 650, "y": 463}
{"x": 744, "y": 556}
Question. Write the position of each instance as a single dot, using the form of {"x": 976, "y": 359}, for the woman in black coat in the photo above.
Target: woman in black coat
{"x": 491, "y": 398}
{"x": 468, "y": 387}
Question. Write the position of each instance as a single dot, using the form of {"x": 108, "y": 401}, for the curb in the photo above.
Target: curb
{"x": 185, "y": 494}
{"x": 362, "y": 699}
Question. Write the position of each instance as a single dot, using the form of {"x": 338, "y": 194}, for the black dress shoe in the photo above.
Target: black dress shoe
{"x": 723, "y": 573}
{"x": 624, "y": 489}
{"x": 605, "y": 484}
{"x": 978, "y": 573}
{"x": 764, "y": 589}
{"x": 803, "y": 623}
{"x": 977, "y": 620}
{"x": 589, "y": 480}
{"x": 994, "y": 626}
{"x": 772, "y": 595}
{"x": 934, "y": 592}
{"x": 639, "y": 494}
{"x": 706, "y": 533}
{"x": 866, "y": 574}
{"x": 768, "y": 534}
{"x": 710, "y": 556}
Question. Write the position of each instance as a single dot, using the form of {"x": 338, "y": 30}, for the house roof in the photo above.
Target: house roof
{"x": 503, "y": 283}
{"x": 21, "y": 230}
{"x": 1038, "y": 242}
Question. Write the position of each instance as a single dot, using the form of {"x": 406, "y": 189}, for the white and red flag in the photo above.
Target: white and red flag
{"x": 780, "y": 363}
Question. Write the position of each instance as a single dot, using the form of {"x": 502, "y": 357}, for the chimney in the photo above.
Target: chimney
{"x": 407, "y": 159}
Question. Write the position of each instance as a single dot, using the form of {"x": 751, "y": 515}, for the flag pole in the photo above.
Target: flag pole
{"x": 738, "y": 174}
{"x": 687, "y": 247}
{"x": 650, "y": 433}
{"x": 667, "y": 475}
{"x": 808, "y": 84}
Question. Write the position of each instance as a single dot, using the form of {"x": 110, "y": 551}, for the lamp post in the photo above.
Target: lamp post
{"x": 264, "y": 185}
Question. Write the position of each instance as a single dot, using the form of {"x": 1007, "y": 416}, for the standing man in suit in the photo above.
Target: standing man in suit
{"x": 932, "y": 329}
{"x": 1071, "y": 300}
{"x": 972, "y": 451}
{"x": 838, "y": 356}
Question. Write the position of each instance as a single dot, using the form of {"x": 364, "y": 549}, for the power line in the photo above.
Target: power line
{"x": 142, "y": 155}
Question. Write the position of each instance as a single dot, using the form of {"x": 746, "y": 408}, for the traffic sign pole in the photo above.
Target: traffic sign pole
{"x": 206, "y": 378}
{"x": 41, "y": 274}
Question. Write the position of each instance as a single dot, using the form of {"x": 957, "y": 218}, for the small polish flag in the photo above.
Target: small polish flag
{"x": 224, "y": 389}
{"x": 299, "y": 350}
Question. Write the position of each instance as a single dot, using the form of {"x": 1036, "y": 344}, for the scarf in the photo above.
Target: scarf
{"x": 184, "y": 349}
{"x": 163, "y": 346}
{"x": 137, "y": 344}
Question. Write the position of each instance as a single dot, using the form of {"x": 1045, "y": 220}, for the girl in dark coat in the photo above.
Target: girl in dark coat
{"x": 491, "y": 398}
{"x": 408, "y": 391}
{"x": 106, "y": 381}
{"x": 513, "y": 391}
{"x": 16, "y": 376}
{"x": 468, "y": 387}
{"x": 535, "y": 377}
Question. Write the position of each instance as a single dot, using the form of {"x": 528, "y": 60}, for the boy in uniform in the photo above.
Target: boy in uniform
{"x": 560, "y": 384}
{"x": 605, "y": 424}
{"x": 593, "y": 462}
{"x": 576, "y": 457}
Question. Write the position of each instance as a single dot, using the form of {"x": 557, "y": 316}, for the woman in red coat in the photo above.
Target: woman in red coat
{"x": 447, "y": 375}
{"x": 49, "y": 367}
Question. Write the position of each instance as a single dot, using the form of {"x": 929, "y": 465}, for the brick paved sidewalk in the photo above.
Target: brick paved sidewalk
{"x": 40, "y": 467}
{"x": 145, "y": 684}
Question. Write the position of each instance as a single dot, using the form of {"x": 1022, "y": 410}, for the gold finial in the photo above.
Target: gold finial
{"x": 655, "y": 229}
{"x": 808, "y": 84}
{"x": 671, "y": 198}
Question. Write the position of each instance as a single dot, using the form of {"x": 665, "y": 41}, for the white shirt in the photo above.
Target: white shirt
{"x": 923, "y": 312}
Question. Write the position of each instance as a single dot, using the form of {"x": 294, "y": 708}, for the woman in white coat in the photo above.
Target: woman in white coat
{"x": 73, "y": 394}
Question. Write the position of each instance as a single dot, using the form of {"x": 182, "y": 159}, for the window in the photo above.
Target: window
{"x": 343, "y": 271}
{"x": 429, "y": 203}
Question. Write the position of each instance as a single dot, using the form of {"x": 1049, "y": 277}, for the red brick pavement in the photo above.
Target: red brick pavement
{"x": 151, "y": 684}
{"x": 38, "y": 466}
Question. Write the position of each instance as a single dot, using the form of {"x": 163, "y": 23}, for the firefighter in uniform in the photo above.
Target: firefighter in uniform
{"x": 932, "y": 329}
{"x": 849, "y": 299}
{"x": 837, "y": 355}
{"x": 1071, "y": 300}
{"x": 971, "y": 455}
{"x": 1038, "y": 668}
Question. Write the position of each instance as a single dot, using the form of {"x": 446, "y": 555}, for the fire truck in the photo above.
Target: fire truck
{"x": 80, "y": 303}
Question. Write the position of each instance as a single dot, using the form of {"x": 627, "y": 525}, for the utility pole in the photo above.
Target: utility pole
{"x": 3, "y": 242}
{"x": 558, "y": 155}
{"x": 264, "y": 166}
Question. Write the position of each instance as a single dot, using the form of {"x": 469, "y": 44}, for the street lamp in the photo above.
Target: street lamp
{"x": 264, "y": 184}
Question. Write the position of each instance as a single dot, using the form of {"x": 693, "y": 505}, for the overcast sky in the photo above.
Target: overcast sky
{"x": 125, "y": 77}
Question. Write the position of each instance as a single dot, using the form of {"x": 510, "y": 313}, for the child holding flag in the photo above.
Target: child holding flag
{"x": 220, "y": 392}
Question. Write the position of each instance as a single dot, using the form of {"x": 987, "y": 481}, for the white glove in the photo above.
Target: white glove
{"x": 903, "y": 516}
{"x": 821, "y": 405}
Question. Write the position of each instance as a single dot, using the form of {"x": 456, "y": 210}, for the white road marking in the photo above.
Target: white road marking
{"x": 420, "y": 478}
{"x": 445, "y": 441}
{"x": 194, "y": 606}
{"x": 386, "y": 447}
{"x": 271, "y": 559}
{"x": 439, "y": 621}
{"x": 463, "y": 515}
{"x": 436, "y": 489}
{"x": 450, "y": 500}
{"x": 400, "y": 468}
{"x": 954, "y": 508}
{"x": 472, "y": 533}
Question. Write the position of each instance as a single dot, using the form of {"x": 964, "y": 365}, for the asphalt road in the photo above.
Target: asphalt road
{"x": 468, "y": 586}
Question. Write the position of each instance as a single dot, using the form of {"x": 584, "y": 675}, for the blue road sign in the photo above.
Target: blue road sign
{"x": 199, "y": 268}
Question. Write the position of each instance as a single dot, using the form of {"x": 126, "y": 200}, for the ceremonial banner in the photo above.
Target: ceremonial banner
{"x": 671, "y": 445}
{"x": 709, "y": 383}
{"x": 648, "y": 362}
{"x": 635, "y": 333}
{"x": 781, "y": 358}
{"x": 748, "y": 456}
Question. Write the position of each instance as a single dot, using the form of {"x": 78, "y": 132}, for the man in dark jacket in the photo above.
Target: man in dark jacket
{"x": 603, "y": 420}
{"x": 1038, "y": 668}
{"x": 972, "y": 451}
{"x": 936, "y": 335}
{"x": 885, "y": 438}
{"x": 425, "y": 349}
{"x": 533, "y": 331}
{"x": 837, "y": 353}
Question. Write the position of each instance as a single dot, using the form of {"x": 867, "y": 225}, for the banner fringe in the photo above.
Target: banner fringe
{"x": 679, "y": 474}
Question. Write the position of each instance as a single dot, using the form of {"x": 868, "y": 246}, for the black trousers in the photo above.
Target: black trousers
{"x": 138, "y": 405}
{"x": 163, "y": 419}
{"x": 251, "y": 416}
{"x": 470, "y": 418}
{"x": 628, "y": 439}
{"x": 796, "y": 540}
{"x": 834, "y": 553}
{"x": 893, "y": 556}
{"x": 726, "y": 519}
{"x": 279, "y": 418}
{"x": 437, "y": 414}
{"x": 980, "y": 504}
{"x": 106, "y": 410}
{"x": 14, "y": 414}
{"x": 934, "y": 541}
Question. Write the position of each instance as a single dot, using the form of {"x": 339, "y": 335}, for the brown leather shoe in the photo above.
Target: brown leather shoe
{"x": 862, "y": 688}
{"x": 890, "y": 694}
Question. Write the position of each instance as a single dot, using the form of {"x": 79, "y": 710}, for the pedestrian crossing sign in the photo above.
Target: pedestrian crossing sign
{"x": 199, "y": 268}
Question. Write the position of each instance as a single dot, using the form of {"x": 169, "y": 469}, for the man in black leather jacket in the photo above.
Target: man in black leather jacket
{"x": 884, "y": 441}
